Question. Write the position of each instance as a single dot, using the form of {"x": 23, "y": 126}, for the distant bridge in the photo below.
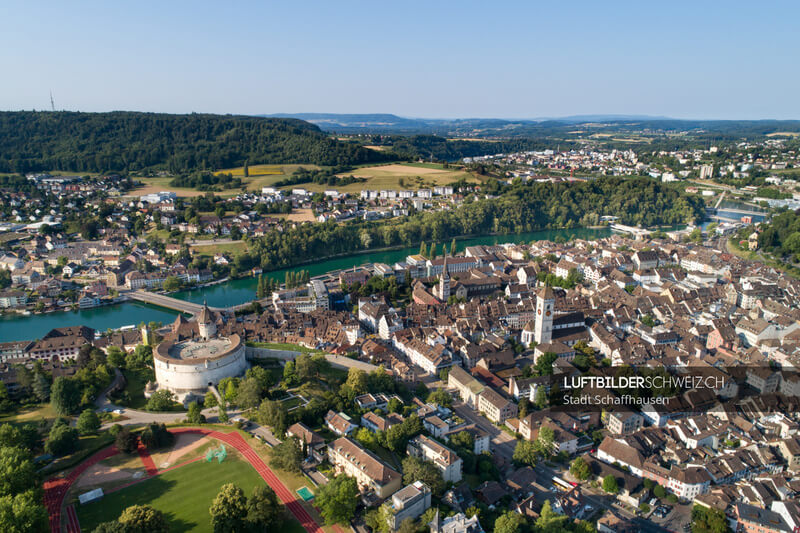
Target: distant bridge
{"x": 638, "y": 232}
{"x": 168, "y": 302}
{"x": 732, "y": 214}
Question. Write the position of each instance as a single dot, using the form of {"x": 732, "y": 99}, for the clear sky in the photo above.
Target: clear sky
{"x": 525, "y": 59}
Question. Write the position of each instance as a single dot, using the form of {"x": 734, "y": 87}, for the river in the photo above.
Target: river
{"x": 234, "y": 292}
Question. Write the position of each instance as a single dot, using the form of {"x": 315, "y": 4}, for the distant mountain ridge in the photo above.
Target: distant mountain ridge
{"x": 387, "y": 124}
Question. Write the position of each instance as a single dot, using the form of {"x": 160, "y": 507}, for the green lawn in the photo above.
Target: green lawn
{"x": 183, "y": 495}
{"x": 30, "y": 415}
{"x": 282, "y": 346}
{"x": 136, "y": 381}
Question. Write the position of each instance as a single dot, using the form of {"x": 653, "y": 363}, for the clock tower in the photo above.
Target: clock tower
{"x": 543, "y": 323}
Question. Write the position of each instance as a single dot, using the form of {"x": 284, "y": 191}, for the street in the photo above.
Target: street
{"x": 503, "y": 444}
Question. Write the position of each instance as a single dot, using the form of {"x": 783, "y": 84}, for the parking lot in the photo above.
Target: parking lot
{"x": 674, "y": 517}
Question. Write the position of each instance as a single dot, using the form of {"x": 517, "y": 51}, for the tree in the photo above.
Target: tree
{"x": 610, "y": 484}
{"x": 440, "y": 397}
{"x": 246, "y": 170}
{"x": 156, "y": 436}
{"x": 509, "y": 522}
{"x": 273, "y": 414}
{"x": 22, "y": 513}
{"x": 172, "y": 283}
{"x": 453, "y": 246}
{"x": 525, "y": 453}
{"x": 523, "y": 407}
{"x": 706, "y": 520}
{"x": 463, "y": 439}
{"x": 25, "y": 436}
{"x": 549, "y": 521}
{"x": 229, "y": 510}
{"x": 337, "y": 500}
{"x": 264, "y": 511}
{"x": 261, "y": 375}
{"x": 88, "y": 422}
{"x": 394, "y": 405}
{"x": 545, "y": 441}
{"x": 17, "y": 471}
{"x": 210, "y": 399}
{"x": 415, "y": 469}
{"x": 356, "y": 381}
{"x": 580, "y": 469}
{"x": 222, "y": 414}
{"x": 544, "y": 364}
{"x": 62, "y": 439}
{"x": 110, "y": 527}
{"x": 161, "y": 400}
{"x": 249, "y": 394}
{"x": 194, "y": 414}
{"x": 143, "y": 519}
{"x": 287, "y": 456}
{"x": 126, "y": 441}
{"x": 659, "y": 492}
{"x": 115, "y": 357}
{"x": 65, "y": 395}
{"x": 41, "y": 387}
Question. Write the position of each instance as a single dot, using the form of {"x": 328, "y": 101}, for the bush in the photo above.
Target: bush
{"x": 126, "y": 441}
{"x": 62, "y": 439}
{"x": 88, "y": 422}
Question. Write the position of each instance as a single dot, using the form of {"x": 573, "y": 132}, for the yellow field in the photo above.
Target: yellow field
{"x": 784, "y": 134}
{"x": 260, "y": 176}
{"x": 389, "y": 177}
{"x": 297, "y": 215}
{"x": 254, "y": 171}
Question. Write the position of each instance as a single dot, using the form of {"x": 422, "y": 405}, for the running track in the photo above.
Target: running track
{"x": 55, "y": 489}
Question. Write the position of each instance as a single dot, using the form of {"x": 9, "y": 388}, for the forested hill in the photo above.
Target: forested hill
{"x": 126, "y": 141}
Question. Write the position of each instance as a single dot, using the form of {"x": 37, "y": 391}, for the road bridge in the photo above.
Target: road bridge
{"x": 168, "y": 302}
{"x": 638, "y": 232}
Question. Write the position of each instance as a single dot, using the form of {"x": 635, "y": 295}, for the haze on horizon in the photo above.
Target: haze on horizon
{"x": 710, "y": 60}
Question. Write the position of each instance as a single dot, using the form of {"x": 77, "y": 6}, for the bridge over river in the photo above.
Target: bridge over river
{"x": 163, "y": 300}
{"x": 191, "y": 308}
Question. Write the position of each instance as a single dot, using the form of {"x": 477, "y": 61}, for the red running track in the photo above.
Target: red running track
{"x": 73, "y": 526}
{"x": 235, "y": 439}
{"x": 56, "y": 488}
{"x": 147, "y": 461}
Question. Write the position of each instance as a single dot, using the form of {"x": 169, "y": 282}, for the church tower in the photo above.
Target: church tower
{"x": 545, "y": 306}
{"x": 205, "y": 324}
{"x": 444, "y": 283}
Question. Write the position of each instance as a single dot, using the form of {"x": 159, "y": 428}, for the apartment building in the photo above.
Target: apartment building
{"x": 370, "y": 473}
{"x": 445, "y": 459}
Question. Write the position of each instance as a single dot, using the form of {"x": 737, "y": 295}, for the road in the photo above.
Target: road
{"x": 211, "y": 242}
{"x": 600, "y": 500}
{"x": 503, "y": 444}
{"x": 135, "y": 417}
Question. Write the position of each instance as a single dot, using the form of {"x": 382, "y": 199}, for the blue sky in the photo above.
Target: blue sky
{"x": 525, "y": 59}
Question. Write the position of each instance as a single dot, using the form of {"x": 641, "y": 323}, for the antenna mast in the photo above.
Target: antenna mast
{"x": 52, "y": 103}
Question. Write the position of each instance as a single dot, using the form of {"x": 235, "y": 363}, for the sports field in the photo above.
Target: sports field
{"x": 183, "y": 495}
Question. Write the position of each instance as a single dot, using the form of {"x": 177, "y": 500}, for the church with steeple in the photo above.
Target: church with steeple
{"x": 443, "y": 288}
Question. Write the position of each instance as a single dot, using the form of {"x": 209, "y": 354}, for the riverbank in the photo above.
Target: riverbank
{"x": 238, "y": 291}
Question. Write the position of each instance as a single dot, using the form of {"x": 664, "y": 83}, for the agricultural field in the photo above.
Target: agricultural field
{"x": 260, "y": 176}
{"x": 397, "y": 176}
